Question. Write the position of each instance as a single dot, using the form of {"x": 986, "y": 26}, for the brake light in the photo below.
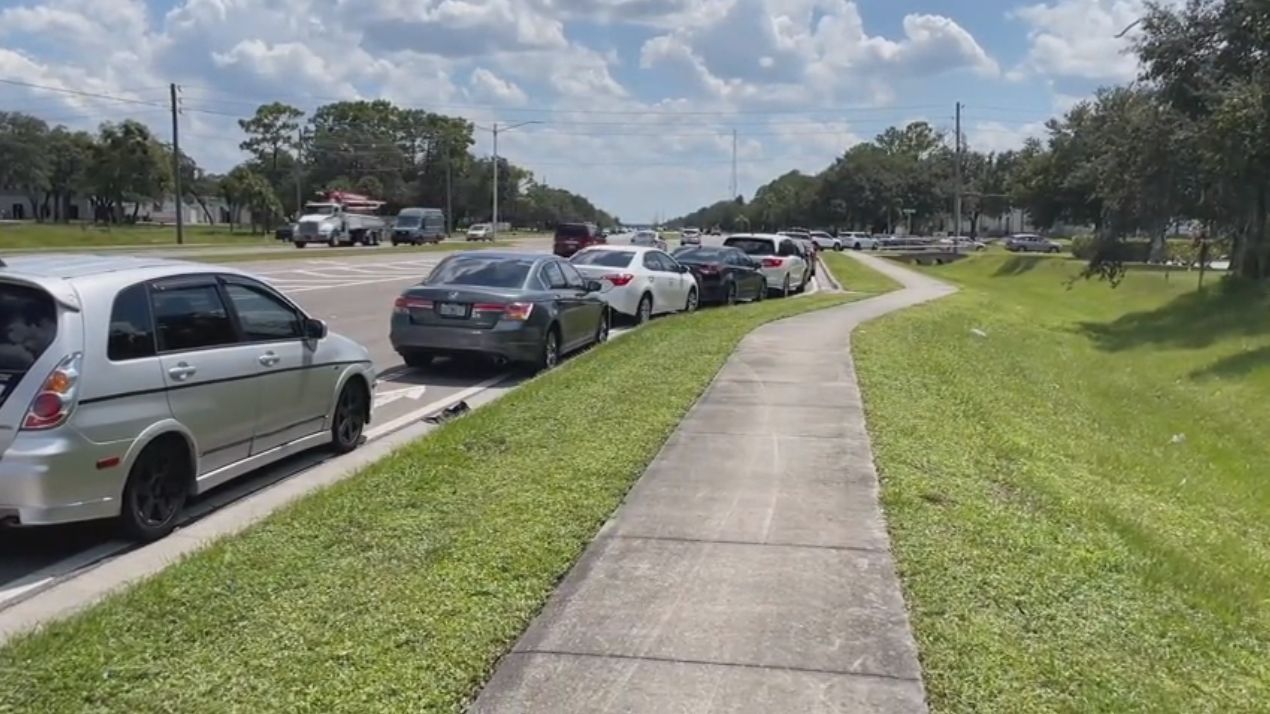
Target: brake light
{"x": 55, "y": 401}
{"x": 619, "y": 279}
{"x": 518, "y": 311}
{"x": 706, "y": 269}
{"x": 488, "y": 307}
{"x": 405, "y": 304}
{"x": 773, "y": 262}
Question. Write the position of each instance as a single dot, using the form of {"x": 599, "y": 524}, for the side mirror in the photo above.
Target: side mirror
{"x": 594, "y": 286}
{"x": 682, "y": 268}
{"x": 314, "y": 329}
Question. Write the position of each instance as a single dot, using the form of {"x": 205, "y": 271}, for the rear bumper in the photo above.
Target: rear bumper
{"x": 712, "y": 291}
{"x": 513, "y": 341}
{"x": 624, "y": 300}
{"x": 53, "y": 478}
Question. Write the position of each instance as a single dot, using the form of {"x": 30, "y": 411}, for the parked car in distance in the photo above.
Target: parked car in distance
{"x": 418, "y": 226}
{"x": 1031, "y": 243}
{"x": 649, "y": 239}
{"x": 724, "y": 275}
{"x": 961, "y": 243}
{"x": 573, "y": 237}
{"x": 824, "y": 241}
{"x": 782, "y": 262}
{"x": 285, "y": 232}
{"x": 639, "y": 282}
{"x": 480, "y": 231}
{"x": 690, "y": 236}
{"x": 521, "y": 308}
{"x": 858, "y": 240}
{"x": 129, "y": 384}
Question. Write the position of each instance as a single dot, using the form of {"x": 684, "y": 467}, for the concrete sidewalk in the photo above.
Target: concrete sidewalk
{"x": 749, "y": 569}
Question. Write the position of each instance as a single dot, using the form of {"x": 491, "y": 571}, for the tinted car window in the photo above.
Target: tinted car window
{"x": 190, "y": 318}
{"x": 263, "y": 316}
{"x": 752, "y": 246}
{"x": 604, "y": 258}
{"x": 554, "y": 276}
{"x": 131, "y": 326}
{"x": 650, "y": 262}
{"x": 28, "y": 318}
{"x": 700, "y": 255}
{"x": 481, "y": 271}
{"x": 573, "y": 231}
{"x": 667, "y": 263}
{"x": 572, "y": 277}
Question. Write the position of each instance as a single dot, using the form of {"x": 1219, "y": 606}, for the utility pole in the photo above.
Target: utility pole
{"x": 449, "y": 203}
{"x": 493, "y": 226}
{"x": 957, "y": 174}
{"x": 734, "y": 188}
{"x": 299, "y": 191}
{"x": 176, "y": 168}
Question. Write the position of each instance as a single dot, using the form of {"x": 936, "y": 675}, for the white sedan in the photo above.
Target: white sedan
{"x": 781, "y": 260}
{"x": 480, "y": 231}
{"x": 649, "y": 239}
{"x": 824, "y": 241}
{"x": 855, "y": 240}
{"x": 639, "y": 281}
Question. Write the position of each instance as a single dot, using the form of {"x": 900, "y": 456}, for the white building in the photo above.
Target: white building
{"x": 15, "y": 206}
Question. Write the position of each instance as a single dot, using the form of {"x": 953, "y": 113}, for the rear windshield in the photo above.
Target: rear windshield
{"x": 573, "y": 231}
{"x": 481, "y": 271}
{"x": 605, "y": 258}
{"x": 752, "y": 246}
{"x": 699, "y": 254}
{"x": 28, "y": 318}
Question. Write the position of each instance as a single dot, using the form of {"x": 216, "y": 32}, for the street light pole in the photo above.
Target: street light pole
{"x": 494, "y": 129}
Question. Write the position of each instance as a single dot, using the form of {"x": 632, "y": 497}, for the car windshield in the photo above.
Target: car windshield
{"x": 753, "y": 246}
{"x": 409, "y": 221}
{"x": 605, "y": 258}
{"x": 481, "y": 271}
{"x": 572, "y": 230}
{"x": 28, "y": 318}
{"x": 322, "y": 209}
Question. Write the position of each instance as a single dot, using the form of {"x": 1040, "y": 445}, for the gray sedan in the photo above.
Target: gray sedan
{"x": 524, "y": 308}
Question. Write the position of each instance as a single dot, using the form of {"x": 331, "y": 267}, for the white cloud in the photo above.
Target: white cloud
{"x": 1077, "y": 39}
{"x": 487, "y": 86}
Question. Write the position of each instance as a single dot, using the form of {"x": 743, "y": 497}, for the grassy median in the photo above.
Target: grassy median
{"x": 1075, "y": 483}
{"x": 397, "y": 589}
{"x": 855, "y": 276}
{"x": 62, "y": 236}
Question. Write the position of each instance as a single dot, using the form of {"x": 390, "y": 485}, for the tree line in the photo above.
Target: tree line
{"x": 1187, "y": 143}
{"x": 406, "y": 157}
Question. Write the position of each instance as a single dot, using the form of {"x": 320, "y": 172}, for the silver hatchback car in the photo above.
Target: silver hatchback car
{"x": 129, "y": 384}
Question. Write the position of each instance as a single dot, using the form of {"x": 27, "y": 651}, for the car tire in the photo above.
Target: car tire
{"x": 692, "y": 301}
{"x": 394, "y": 242}
{"x": 332, "y": 243}
{"x": 855, "y": 246}
{"x": 300, "y": 244}
{"x": 729, "y": 298}
{"x": 157, "y": 487}
{"x": 349, "y": 421}
{"x": 644, "y": 312}
{"x": 549, "y": 355}
{"x": 762, "y": 292}
{"x": 602, "y": 329}
{"x": 837, "y": 246}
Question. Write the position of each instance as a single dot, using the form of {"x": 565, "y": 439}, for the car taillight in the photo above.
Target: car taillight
{"x": 706, "y": 269}
{"x": 619, "y": 279}
{"x": 55, "y": 401}
{"x": 488, "y": 307}
{"x": 518, "y": 311}
{"x": 404, "y": 305}
{"x": 773, "y": 262}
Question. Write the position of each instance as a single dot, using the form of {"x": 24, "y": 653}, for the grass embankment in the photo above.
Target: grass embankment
{"x": 1078, "y": 501}
{"x": 355, "y": 252}
{"x": 855, "y": 276}
{"x": 60, "y": 236}
{"x": 397, "y": 589}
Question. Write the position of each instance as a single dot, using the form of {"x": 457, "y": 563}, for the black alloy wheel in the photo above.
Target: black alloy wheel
{"x": 350, "y": 417}
{"x": 550, "y": 356}
{"x": 155, "y": 494}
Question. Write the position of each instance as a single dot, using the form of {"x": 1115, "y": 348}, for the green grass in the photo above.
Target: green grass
{"x": 1060, "y": 550}
{"x": 357, "y": 251}
{"x": 855, "y": 276}
{"x": 395, "y": 590}
{"x": 54, "y": 236}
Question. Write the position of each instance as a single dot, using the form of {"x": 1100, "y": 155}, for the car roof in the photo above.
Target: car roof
{"x": 79, "y": 266}
{"x": 622, "y": 247}
{"x": 769, "y": 236}
{"x": 505, "y": 254}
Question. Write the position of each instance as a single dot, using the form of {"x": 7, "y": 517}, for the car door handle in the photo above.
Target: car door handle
{"x": 182, "y": 371}
{"x": 269, "y": 359}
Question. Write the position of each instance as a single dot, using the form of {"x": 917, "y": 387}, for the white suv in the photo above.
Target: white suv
{"x": 129, "y": 384}
{"x": 780, "y": 259}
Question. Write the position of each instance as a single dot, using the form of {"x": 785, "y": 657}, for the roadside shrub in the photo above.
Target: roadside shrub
{"x": 1129, "y": 251}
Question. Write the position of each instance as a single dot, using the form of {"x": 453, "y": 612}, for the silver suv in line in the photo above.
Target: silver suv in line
{"x": 129, "y": 384}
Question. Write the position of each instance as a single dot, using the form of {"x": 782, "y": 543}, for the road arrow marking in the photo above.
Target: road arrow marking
{"x": 383, "y": 398}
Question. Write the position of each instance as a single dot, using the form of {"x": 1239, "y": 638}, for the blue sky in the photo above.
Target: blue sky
{"x": 636, "y": 100}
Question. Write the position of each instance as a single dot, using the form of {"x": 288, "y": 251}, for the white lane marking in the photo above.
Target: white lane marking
{"x": 385, "y": 398}
{"x": 309, "y": 288}
{"x": 417, "y": 414}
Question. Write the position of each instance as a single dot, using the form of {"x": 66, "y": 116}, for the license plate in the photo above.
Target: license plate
{"x": 452, "y": 309}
